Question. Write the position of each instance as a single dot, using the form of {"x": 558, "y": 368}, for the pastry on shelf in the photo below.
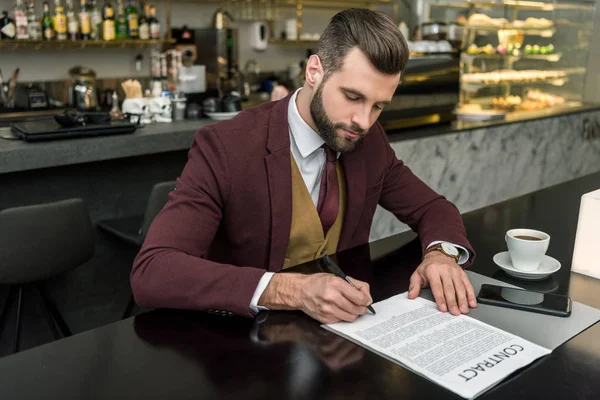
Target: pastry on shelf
{"x": 508, "y": 103}
{"x": 480, "y": 19}
{"x": 465, "y": 108}
{"x": 511, "y": 75}
{"x": 541, "y": 23}
{"x": 548, "y": 99}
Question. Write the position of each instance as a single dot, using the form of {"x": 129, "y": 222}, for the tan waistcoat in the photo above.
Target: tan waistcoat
{"x": 307, "y": 242}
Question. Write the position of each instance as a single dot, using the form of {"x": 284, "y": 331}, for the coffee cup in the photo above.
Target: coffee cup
{"x": 526, "y": 248}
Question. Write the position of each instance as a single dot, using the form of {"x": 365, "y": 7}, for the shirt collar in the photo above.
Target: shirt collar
{"x": 307, "y": 140}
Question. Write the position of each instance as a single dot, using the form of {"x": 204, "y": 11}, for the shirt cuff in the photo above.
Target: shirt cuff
{"x": 463, "y": 253}
{"x": 260, "y": 288}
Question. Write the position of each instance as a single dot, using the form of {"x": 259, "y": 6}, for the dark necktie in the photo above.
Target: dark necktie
{"x": 329, "y": 194}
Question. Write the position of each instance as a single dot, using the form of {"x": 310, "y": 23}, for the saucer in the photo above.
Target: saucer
{"x": 547, "y": 267}
{"x": 221, "y": 116}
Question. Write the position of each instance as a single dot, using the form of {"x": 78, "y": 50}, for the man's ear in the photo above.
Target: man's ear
{"x": 314, "y": 71}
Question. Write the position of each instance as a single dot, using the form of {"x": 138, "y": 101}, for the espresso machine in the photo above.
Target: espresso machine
{"x": 210, "y": 52}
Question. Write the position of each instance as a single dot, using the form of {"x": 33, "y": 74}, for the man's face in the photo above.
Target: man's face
{"x": 348, "y": 103}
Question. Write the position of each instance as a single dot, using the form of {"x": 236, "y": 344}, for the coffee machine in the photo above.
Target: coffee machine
{"x": 216, "y": 50}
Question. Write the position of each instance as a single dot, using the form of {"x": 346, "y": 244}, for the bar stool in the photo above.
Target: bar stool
{"x": 133, "y": 230}
{"x": 37, "y": 243}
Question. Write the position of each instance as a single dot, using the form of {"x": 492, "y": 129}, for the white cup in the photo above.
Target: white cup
{"x": 526, "y": 254}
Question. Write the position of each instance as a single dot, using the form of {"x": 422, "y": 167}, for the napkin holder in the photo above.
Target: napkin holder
{"x": 586, "y": 259}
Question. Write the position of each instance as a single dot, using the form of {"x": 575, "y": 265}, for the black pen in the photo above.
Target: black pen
{"x": 338, "y": 271}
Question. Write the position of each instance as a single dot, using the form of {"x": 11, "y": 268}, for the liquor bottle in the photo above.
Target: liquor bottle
{"x": 132, "y": 21}
{"x": 20, "y": 17}
{"x": 60, "y": 21}
{"x": 47, "y": 26}
{"x": 154, "y": 24}
{"x": 85, "y": 22}
{"x": 34, "y": 25}
{"x": 8, "y": 30}
{"x": 144, "y": 25}
{"x": 121, "y": 22}
{"x": 72, "y": 22}
{"x": 96, "y": 18}
{"x": 108, "y": 22}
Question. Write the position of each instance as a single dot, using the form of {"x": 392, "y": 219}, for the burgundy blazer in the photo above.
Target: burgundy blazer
{"x": 228, "y": 220}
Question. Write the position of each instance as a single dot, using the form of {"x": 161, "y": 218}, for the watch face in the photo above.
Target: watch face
{"x": 449, "y": 249}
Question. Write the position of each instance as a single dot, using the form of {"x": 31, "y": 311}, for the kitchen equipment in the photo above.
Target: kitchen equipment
{"x": 217, "y": 51}
{"x": 231, "y": 103}
{"x": 428, "y": 94}
{"x": 106, "y": 99}
{"x": 82, "y": 93}
{"x": 178, "y": 103}
{"x": 434, "y": 31}
{"x": 193, "y": 111}
{"x": 222, "y": 19}
{"x": 211, "y": 105}
{"x": 259, "y": 36}
{"x": 455, "y": 34}
{"x": 30, "y": 97}
{"x": 192, "y": 79}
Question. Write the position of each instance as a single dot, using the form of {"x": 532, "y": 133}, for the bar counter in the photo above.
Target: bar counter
{"x": 16, "y": 155}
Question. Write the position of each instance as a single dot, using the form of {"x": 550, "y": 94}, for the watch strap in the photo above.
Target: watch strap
{"x": 439, "y": 247}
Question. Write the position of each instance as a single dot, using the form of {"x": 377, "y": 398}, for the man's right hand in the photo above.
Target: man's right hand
{"x": 325, "y": 297}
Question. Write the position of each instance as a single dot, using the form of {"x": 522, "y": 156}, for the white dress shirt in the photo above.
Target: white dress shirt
{"x": 305, "y": 145}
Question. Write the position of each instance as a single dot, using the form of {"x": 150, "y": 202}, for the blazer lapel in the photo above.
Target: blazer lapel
{"x": 355, "y": 176}
{"x": 279, "y": 175}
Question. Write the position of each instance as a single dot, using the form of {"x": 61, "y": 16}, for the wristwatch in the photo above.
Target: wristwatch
{"x": 446, "y": 248}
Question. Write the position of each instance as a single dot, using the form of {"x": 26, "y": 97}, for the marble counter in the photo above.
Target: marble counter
{"x": 477, "y": 167}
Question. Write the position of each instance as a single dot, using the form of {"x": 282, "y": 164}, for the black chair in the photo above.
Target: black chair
{"x": 133, "y": 230}
{"x": 37, "y": 243}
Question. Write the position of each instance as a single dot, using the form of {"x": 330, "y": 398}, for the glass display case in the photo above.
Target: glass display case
{"x": 519, "y": 56}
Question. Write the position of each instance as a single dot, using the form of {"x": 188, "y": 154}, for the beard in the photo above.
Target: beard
{"x": 329, "y": 130}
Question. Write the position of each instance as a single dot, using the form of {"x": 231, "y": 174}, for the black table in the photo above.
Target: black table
{"x": 185, "y": 354}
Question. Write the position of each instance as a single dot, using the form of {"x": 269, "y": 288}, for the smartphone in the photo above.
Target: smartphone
{"x": 544, "y": 303}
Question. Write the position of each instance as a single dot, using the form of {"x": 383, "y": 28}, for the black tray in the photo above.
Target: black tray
{"x": 49, "y": 129}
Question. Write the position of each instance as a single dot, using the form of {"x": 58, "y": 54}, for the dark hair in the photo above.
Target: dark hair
{"x": 373, "y": 32}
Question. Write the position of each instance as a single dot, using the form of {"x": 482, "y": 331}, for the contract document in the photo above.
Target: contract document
{"x": 458, "y": 353}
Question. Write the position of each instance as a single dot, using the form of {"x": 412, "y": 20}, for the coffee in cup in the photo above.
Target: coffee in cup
{"x": 526, "y": 247}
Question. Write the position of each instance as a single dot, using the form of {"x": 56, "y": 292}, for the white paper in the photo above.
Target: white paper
{"x": 585, "y": 258}
{"x": 459, "y": 353}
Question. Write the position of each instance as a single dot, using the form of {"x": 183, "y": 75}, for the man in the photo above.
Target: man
{"x": 292, "y": 180}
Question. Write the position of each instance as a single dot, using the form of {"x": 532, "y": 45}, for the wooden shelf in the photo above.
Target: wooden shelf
{"x": 521, "y": 5}
{"x": 7, "y": 45}
{"x": 552, "y": 57}
{"x": 525, "y": 30}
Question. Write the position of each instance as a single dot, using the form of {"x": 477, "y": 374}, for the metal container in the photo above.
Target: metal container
{"x": 179, "y": 106}
{"x": 455, "y": 34}
{"x": 434, "y": 31}
{"x": 82, "y": 93}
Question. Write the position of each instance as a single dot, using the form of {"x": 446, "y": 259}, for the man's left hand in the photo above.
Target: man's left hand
{"x": 449, "y": 283}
